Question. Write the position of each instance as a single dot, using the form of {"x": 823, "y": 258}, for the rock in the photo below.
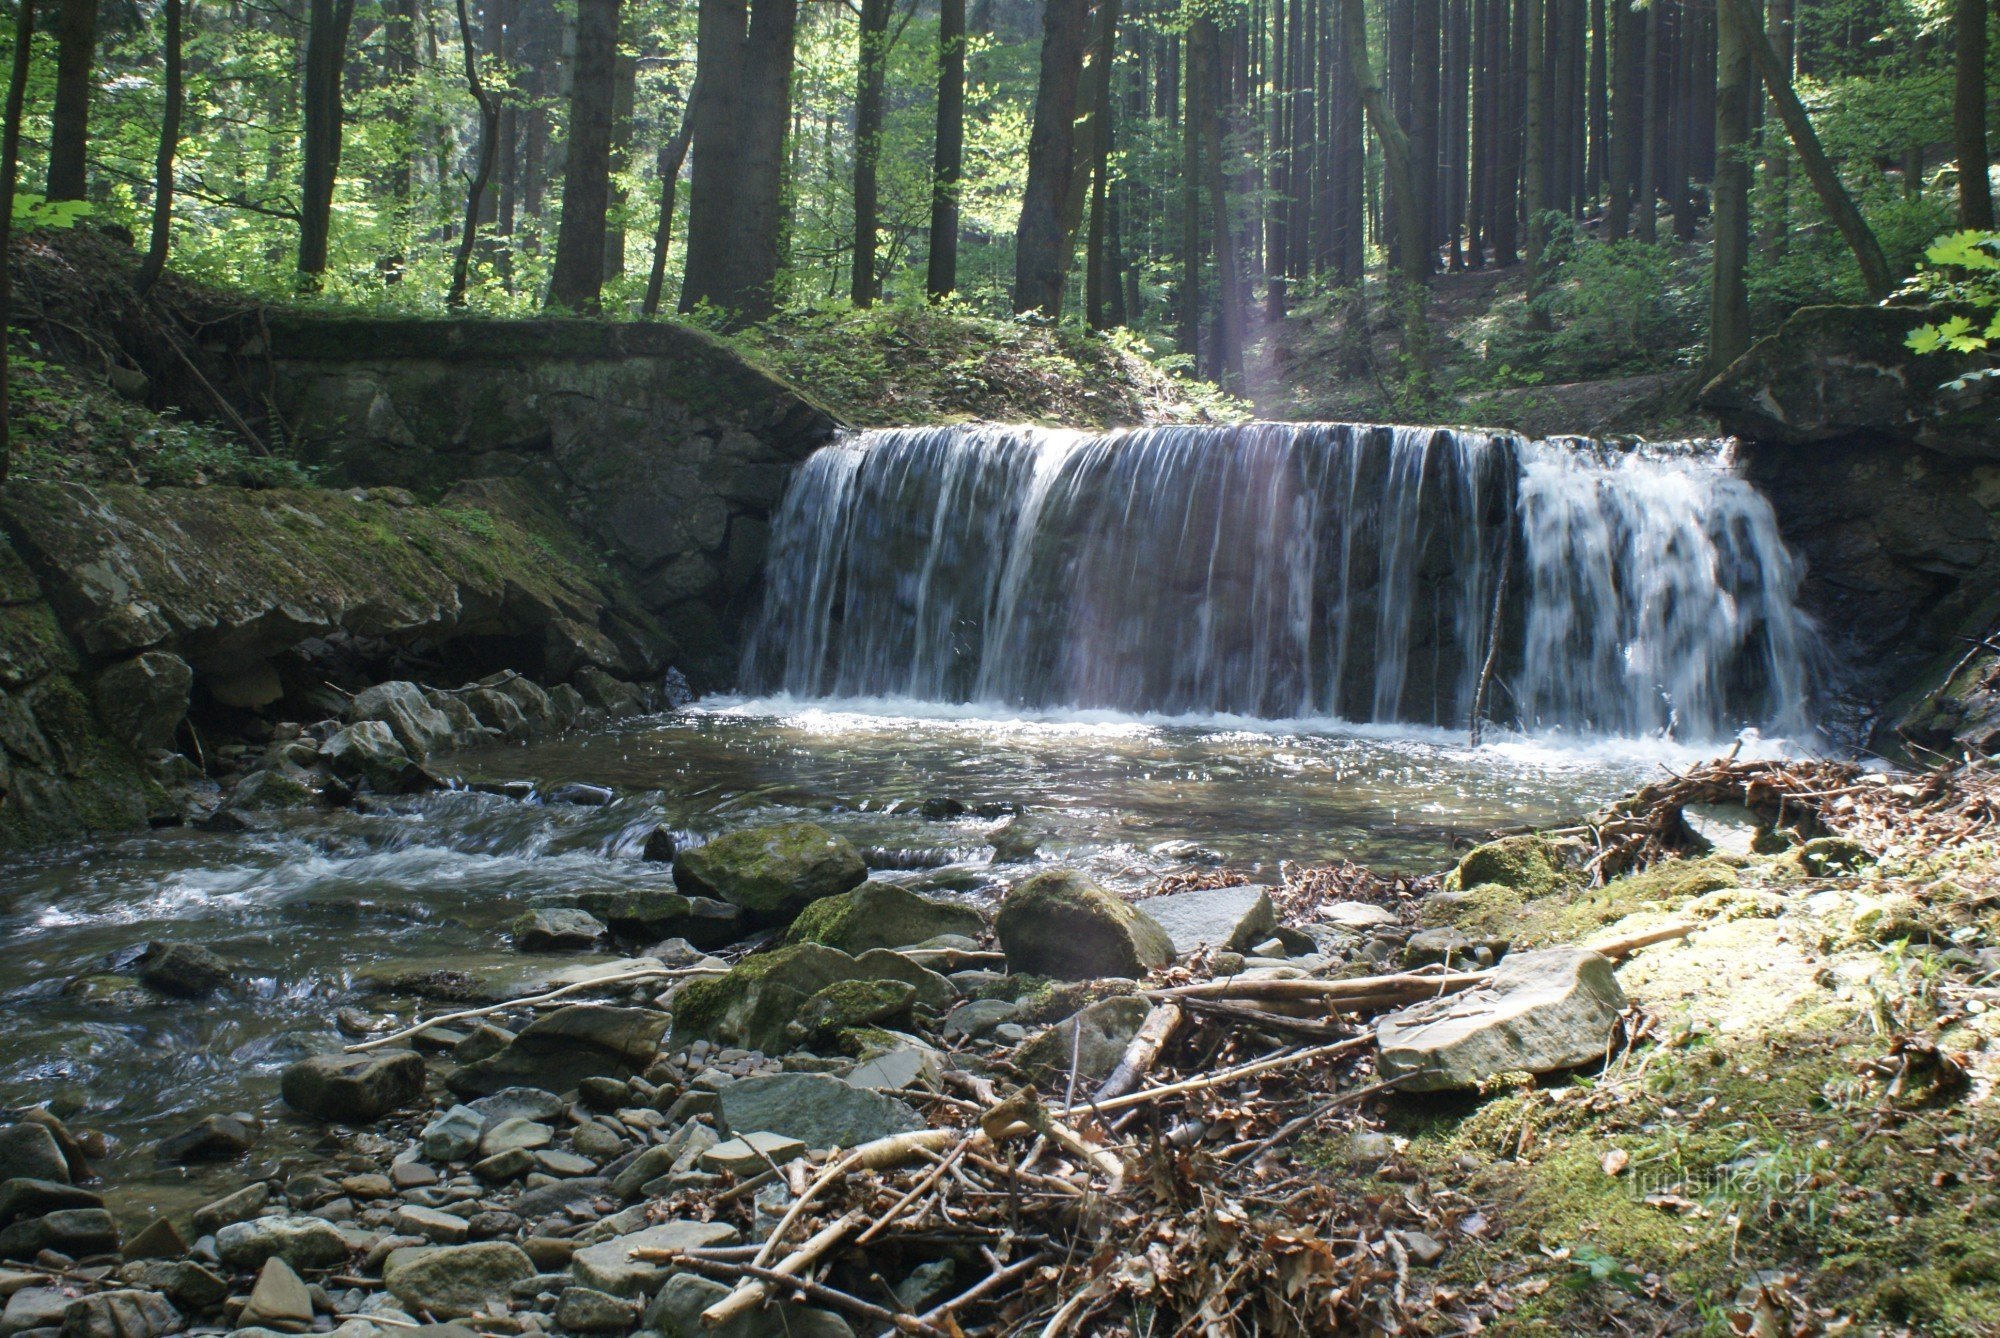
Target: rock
{"x": 240, "y": 1206}
{"x": 513, "y": 1133}
{"x": 772, "y": 872}
{"x": 610, "y": 1267}
{"x": 452, "y": 1136}
{"x": 278, "y": 1301}
{"x": 676, "y": 1311}
{"x": 649, "y": 916}
{"x": 1539, "y": 1012}
{"x": 904, "y": 1066}
{"x": 751, "y": 1005}
{"x": 34, "y": 1308}
{"x": 159, "y": 1239}
{"x": 212, "y": 1138}
{"x": 881, "y": 915}
{"x": 1356, "y": 915}
{"x": 453, "y": 1281}
{"x": 183, "y": 971}
{"x": 1424, "y": 1249}
{"x": 518, "y": 1103}
{"x": 26, "y": 1196}
{"x": 933, "y": 990}
{"x": 559, "y": 930}
{"x": 272, "y": 788}
{"x": 420, "y": 727}
{"x": 498, "y": 712}
{"x": 354, "y": 1089}
{"x": 747, "y": 1154}
{"x": 977, "y": 1017}
{"x": 439, "y": 1228}
{"x": 817, "y": 1108}
{"x": 143, "y": 700}
{"x": 1531, "y": 865}
{"x": 303, "y": 1242}
{"x": 1061, "y": 924}
{"x": 1234, "y": 918}
{"x": 188, "y": 1285}
{"x": 659, "y": 845}
{"x": 580, "y": 794}
{"x": 560, "y": 1049}
{"x": 1095, "y": 1038}
{"x": 369, "y": 752}
{"x": 1722, "y": 829}
{"x": 121, "y": 1314}
{"x": 504, "y": 1166}
{"x": 30, "y": 1152}
{"x": 925, "y": 1284}
{"x": 1016, "y": 840}
{"x": 77, "y": 1232}
{"x": 851, "y": 1003}
{"x": 587, "y": 1310}
{"x": 1449, "y": 946}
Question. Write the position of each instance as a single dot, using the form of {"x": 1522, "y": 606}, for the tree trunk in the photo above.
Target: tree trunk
{"x": 871, "y": 67}
{"x": 764, "y": 124}
{"x": 1041, "y": 245}
{"x": 482, "y": 173}
{"x": 721, "y": 30}
{"x": 69, "y": 130}
{"x": 1627, "y": 116}
{"x": 948, "y": 153}
{"x": 1833, "y": 196}
{"x": 1277, "y": 242}
{"x": 1190, "y": 306}
{"x": 1098, "y": 270}
{"x": 155, "y": 263}
{"x": 624, "y": 96}
{"x": 1398, "y": 174}
{"x": 1778, "y": 154}
{"x": 326, "y": 55}
{"x": 1534, "y": 156}
{"x": 1649, "y": 134}
{"x": 1729, "y": 301}
{"x": 10, "y": 161}
{"x": 1975, "y": 190}
{"x": 1598, "y": 171}
{"x": 1231, "y": 304}
{"x": 1426, "y": 56}
{"x": 577, "y": 281}
{"x": 672, "y": 155}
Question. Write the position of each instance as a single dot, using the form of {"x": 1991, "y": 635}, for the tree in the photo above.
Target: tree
{"x": 1729, "y": 299}
{"x": 577, "y": 282}
{"x": 948, "y": 152}
{"x": 871, "y": 66}
{"x": 326, "y": 56}
{"x": 1041, "y": 245}
{"x": 482, "y": 173}
{"x": 672, "y": 155}
{"x": 69, "y": 119}
{"x": 1975, "y": 189}
{"x": 155, "y": 263}
{"x": 720, "y": 32}
{"x": 1398, "y": 173}
{"x": 10, "y": 162}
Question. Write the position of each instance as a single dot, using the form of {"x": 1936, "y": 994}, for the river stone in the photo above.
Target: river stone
{"x": 121, "y": 1314}
{"x": 1356, "y": 915}
{"x": 772, "y": 872}
{"x": 513, "y": 1133}
{"x": 183, "y": 970}
{"x": 747, "y": 1154}
{"x": 158, "y": 1239}
{"x": 1095, "y": 1039}
{"x": 649, "y": 916}
{"x": 1532, "y": 865}
{"x": 1061, "y": 924}
{"x": 188, "y": 1285}
{"x": 77, "y": 1232}
{"x": 1539, "y": 1012}
{"x": 518, "y": 1103}
{"x": 144, "y": 699}
{"x": 976, "y": 1017}
{"x": 27, "y": 1196}
{"x": 1722, "y": 829}
{"x": 30, "y": 1152}
{"x": 498, "y": 712}
{"x": 278, "y": 1301}
{"x": 211, "y": 1138}
{"x": 240, "y": 1206}
{"x": 303, "y": 1242}
{"x": 560, "y": 1049}
{"x": 453, "y": 1281}
{"x": 354, "y": 1089}
{"x": 34, "y": 1308}
{"x": 420, "y": 727}
{"x": 850, "y": 1003}
{"x": 817, "y": 1108}
{"x": 369, "y": 752}
{"x": 933, "y": 990}
{"x": 610, "y": 1267}
{"x": 439, "y": 1228}
{"x": 881, "y": 915}
{"x": 751, "y": 1004}
{"x": 587, "y": 1310}
{"x": 563, "y": 929}
{"x": 676, "y": 1311}
{"x": 1233, "y": 918}
{"x": 891, "y": 1070}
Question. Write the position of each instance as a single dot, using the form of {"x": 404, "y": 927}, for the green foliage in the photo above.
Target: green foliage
{"x": 32, "y": 212}
{"x": 1965, "y": 269}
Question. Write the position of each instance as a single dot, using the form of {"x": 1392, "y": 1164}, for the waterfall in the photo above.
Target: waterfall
{"x": 1285, "y": 571}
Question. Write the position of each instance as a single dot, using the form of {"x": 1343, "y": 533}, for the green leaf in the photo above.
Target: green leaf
{"x": 1970, "y": 249}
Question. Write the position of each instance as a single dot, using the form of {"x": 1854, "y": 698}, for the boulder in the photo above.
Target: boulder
{"x": 1233, "y": 918}
{"x": 649, "y": 916}
{"x": 850, "y": 1003}
{"x": 129, "y": 1313}
{"x": 587, "y": 1310}
{"x": 1539, "y": 1012}
{"x": 933, "y": 990}
{"x": 610, "y": 1267}
{"x": 354, "y": 1089}
{"x": 753, "y": 1004}
{"x": 1061, "y": 924}
{"x": 26, "y": 1196}
{"x": 1531, "y": 865}
{"x": 453, "y": 1281}
{"x": 558, "y": 930}
{"x": 1094, "y": 1040}
{"x": 369, "y": 752}
{"x": 558, "y": 1050}
{"x": 772, "y": 872}
{"x": 818, "y": 1109}
{"x": 183, "y": 970}
{"x": 211, "y": 1138}
{"x": 30, "y": 1151}
{"x": 421, "y": 728}
{"x": 1722, "y": 829}
{"x": 881, "y": 915}
{"x": 279, "y": 1300}
{"x": 144, "y": 699}
{"x": 305, "y": 1243}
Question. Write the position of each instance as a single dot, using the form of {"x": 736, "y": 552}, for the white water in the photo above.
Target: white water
{"x": 1285, "y": 572}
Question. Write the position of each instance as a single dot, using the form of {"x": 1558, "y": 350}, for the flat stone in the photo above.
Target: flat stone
{"x": 907, "y": 1066}
{"x": 33, "y": 1308}
{"x": 816, "y": 1108}
{"x": 748, "y": 1154}
{"x": 77, "y": 1232}
{"x": 306, "y": 1243}
{"x": 560, "y": 1049}
{"x": 1538, "y": 1012}
{"x": 278, "y": 1301}
{"x": 566, "y": 1164}
{"x": 452, "y": 1136}
{"x": 354, "y": 1089}
{"x": 1220, "y": 917}
{"x": 454, "y": 1281}
{"x": 1722, "y": 829}
{"x": 507, "y": 1135}
{"x": 26, "y": 1196}
{"x": 610, "y": 1267}
{"x": 504, "y": 1166}
{"x": 587, "y": 1310}
{"x": 121, "y": 1314}
{"x": 212, "y": 1138}
{"x": 1357, "y": 915}
{"x": 439, "y": 1228}
{"x": 977, "y": 1017}
{"x": 1092, "y": 1041}
{"x": 241, "y": 1206}
{"x": 183, "y": 970}
{"x": 562, "y": 929}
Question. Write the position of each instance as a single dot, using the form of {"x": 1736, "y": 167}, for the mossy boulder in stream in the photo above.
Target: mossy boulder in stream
{"x": 1531, "y": 865}
{"x": 882, "y": 915}
{"x": 772, "y": 872}
{"x": 752, "y": 1005}
{"x": 1063, "y": 925}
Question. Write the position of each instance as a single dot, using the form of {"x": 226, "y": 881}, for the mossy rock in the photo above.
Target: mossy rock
{"x": 752, "y": 1005}
{"x": 1092, "y": 1042}
{"x": 772, "y": 872}
{"x": 1534, "y": 866}
{"x": 882, "y": 915}
{"x": 1061, "y": 924}
{"x": 851, "y": 1004}
{"x": 1827, "y": 855}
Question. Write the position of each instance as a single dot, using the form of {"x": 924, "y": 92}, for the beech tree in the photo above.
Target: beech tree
{"x": 161, "y": 234}
{"x": 1975, "y": 189}
{"x": 948, "y": 155}
{"x": 69, "y": 118}
{"x": 10, "y": 164}
{"x": 578, "y": 279}
{"x": 321, "y": 98}
{"x": 1041, "y": 244}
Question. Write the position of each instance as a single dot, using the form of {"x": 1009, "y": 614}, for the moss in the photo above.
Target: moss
{"x": 822, "y": 921}
{"x": 848, "y": 1004}
{"x": 1531, "y": 865}
{"x": 1827, "y": 855}
{"x": 772, "y": 871}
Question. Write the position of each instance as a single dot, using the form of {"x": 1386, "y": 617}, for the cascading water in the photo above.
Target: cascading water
{"x": 1285, "y": 571}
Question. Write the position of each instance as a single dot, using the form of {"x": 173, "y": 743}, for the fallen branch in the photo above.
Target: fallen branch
{"x": 1143, "y": 1052}
{"x": 813, "y": 1291}
{"x": 1287, "y": 1060}
{"x": 752, "y": 1292}
{"x": 1359, "y": 992}
{"x": 1619, "y": 948}
{"x": 1256, "y": 1017}
{"x": 549, "y": 996}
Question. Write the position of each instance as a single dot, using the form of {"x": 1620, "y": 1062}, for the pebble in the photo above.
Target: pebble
{"x": 437, "y": 1227}
{"x": 748, "y": 1154}
{"x": 510, "y": 1134}
{"x": 279, "y": 1300}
